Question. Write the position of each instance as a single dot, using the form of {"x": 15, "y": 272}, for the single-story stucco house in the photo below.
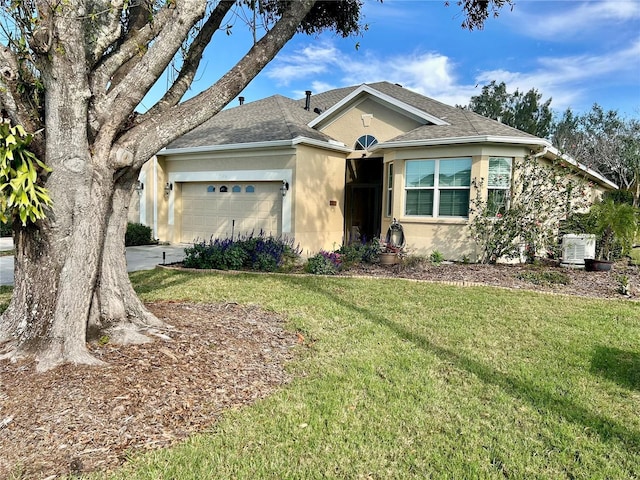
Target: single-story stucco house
{"x": 332, "y": 167}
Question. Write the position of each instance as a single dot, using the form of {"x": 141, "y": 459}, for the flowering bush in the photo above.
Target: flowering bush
{"x": 255, "y": 252}
{"x": 541, "y": 196}
{"x": 324, "y": 263}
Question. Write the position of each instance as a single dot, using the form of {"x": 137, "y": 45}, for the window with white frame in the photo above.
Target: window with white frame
{"x": 438, "y": 188}
{"x": 389, "y": 189}
{"x": 498, "y": 185}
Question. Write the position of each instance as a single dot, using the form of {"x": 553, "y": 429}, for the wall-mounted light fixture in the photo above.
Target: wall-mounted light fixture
{"x": 284, "y": 188}
{"x": 139, "y": 187}
{"x": 167, "y": 188}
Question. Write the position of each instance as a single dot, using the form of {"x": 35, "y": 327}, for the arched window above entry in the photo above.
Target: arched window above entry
{"x": 365, "y": 142}
{"x": 236, "y": 189}
{"x": 211, "y": 189}
{"x": 250, "y": 189}
{"x": 224, "y": 189}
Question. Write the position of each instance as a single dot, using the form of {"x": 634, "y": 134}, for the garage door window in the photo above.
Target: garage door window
{"x": 224, "y": 189}
{"x": 236, "y": 189}
{"x": 211, "y": 189}
{"x": 250, "y": 189}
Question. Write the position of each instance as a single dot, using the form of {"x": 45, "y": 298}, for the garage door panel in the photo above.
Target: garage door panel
{"x": 211, "y": 214}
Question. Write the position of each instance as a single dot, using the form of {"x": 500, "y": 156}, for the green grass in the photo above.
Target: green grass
{"x": 409, "y": 380}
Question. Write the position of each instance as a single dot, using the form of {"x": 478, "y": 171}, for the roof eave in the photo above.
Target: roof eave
{"x": 256, "y": 145}
{"x": 531, "y": 141}
{"x": 524, "y": 141}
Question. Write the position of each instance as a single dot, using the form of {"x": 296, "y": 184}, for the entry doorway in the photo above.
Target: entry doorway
{"x": 363, "y": 200}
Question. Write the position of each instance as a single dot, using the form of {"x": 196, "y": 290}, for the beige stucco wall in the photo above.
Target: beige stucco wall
{"x": 383, "y": 124}
{"x": 318, "y": 182}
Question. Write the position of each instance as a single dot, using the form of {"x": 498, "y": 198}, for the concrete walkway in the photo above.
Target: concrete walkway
{"x": 138, "y": 258}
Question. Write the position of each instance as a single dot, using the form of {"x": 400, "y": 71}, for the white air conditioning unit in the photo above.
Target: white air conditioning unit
{"x": 575, "y": 248}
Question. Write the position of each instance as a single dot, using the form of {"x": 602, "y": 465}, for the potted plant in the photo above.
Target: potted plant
{"x": 389, "y": 255}
{"x": 392, "y": 244}
{"x": 615, "y": 224}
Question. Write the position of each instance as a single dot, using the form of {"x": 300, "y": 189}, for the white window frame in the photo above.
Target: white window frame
{"x": 436, "y": 187}
{"x": 503, "y": 186}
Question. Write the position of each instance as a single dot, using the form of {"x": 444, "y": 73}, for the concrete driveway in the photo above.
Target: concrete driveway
{"x": 138, "y": 258}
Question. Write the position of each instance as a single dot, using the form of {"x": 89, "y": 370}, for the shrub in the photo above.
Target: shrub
{"x": 5, "y": 229}
{"x": 414, "y": 261}
{"x": 618, "y": 196}
{"x": 324, "y": 263}
{"x": 138, "y": 234}
{"x": 262, "y": 253}
{"x": 540, "y": 196}
{"x": 367, "y": 252}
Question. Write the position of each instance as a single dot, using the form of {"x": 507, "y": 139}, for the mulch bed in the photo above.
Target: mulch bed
{"x": 77, "y": 419}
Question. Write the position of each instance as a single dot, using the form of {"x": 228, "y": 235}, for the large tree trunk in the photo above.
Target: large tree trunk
{"x": 116, "y": 311}
{"x": 75, "y": 258}
{"x": 71, "y": 281}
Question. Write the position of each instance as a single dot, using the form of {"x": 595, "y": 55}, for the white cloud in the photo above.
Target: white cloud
{"x": 549, "y": 20}
{"x": 431, "y": 74}
{"x": 309, "y": 61}
{"x": 566, "y": 79}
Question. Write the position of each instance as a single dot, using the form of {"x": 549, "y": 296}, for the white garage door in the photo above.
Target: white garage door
{"x": 217, "y": 209}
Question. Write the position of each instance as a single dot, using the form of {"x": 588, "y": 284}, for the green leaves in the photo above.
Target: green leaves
{"x": 20, "y": 193}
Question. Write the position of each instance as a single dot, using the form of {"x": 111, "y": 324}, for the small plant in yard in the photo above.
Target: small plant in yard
{"x": 624, "y": 285}
{"x": 324, "y": 263}
{"x": 541, "y": 277}
{"x": 414, "y": 261}
{"x": 436, "y": 257}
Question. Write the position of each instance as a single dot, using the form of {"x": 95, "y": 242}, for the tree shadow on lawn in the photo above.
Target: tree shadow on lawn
{"x": 540, "y": 399}
{"x": 620, "y": 366}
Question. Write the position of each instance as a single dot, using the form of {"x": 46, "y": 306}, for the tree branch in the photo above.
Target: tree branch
{"x": 131, "y": 47}
{"x": 156, "y": 131}
{"x": 119, "y": 103}
{"x": 10, "y": 96}
{"x": 110, "y": 30}
{"x": 193, "y": 58}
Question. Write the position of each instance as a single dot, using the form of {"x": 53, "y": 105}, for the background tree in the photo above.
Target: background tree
{"x": 75, "y": 71}
{"x": 605, "y": 141}
{"x": 524, "y": 111}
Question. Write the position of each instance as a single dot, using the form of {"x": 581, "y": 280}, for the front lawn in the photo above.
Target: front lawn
{"x": 398, "y": 379}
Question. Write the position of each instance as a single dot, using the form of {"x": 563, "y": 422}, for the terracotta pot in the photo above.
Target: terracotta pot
{"x": 388, "y": 258}
{"x": 594, "y": 265}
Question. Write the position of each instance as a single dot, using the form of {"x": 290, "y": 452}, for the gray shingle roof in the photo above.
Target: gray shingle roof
{"x": 280, "y": 118}
{"x": 273, "y": 118}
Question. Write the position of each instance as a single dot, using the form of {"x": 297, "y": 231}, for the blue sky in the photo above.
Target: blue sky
{"x": 577, "y": 52}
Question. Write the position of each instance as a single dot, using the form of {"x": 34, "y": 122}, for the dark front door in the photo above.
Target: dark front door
{"x": 363, "y": 199}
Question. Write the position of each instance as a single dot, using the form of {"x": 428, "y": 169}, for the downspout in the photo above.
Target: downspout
{"x": 542, "y": 152}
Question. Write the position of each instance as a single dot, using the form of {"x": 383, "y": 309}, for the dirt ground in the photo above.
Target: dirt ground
{"x": 78, "y": 419}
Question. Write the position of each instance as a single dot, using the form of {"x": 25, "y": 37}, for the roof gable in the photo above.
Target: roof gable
{"x": 364, "y": 92}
